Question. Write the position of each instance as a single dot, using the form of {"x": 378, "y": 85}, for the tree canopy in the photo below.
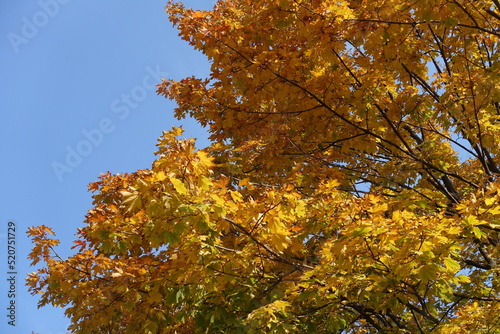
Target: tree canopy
{"x": 351, "y": 185}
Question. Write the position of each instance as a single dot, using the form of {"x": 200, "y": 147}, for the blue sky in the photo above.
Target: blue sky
{"x": 77, "y": 100}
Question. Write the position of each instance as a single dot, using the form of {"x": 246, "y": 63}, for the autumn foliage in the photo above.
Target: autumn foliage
{"x": 352, "y": 184}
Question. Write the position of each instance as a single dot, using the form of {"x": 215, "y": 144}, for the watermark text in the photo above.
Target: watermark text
{"x": 11, "y": 285}
{"x": 94, "y": 137}
{"x": 31, "y": 26}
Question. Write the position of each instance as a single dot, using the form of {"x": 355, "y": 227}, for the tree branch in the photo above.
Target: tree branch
{"x": 298, "y": 266}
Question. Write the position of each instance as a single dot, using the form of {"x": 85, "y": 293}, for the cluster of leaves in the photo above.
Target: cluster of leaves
{"x": 351, "y": 187}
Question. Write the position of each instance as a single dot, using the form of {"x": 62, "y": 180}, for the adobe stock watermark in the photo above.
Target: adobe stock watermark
{"x": 32, "y": 25}
{"x": 94, "y": 137}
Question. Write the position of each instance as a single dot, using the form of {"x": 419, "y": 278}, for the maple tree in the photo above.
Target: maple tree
{"x": 351, "y": 185}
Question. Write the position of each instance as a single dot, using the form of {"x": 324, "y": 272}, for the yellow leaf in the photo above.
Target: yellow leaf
{"x": 244, "y": 182}
{"x": 495, "y": 210}
{"x": 179, "y": 186}
{"x": 218, "y": 200}
{"x": 489, "y": 201}
{"x": 454, "y": 230}
{"x": 472, "y": 220}
{"x": 379, "y": 208}
{"x": 451, "y": 264}
{"x": 160, "y": 176}
{"x": 204, "y": 183}
{"x": 236, "y": 196}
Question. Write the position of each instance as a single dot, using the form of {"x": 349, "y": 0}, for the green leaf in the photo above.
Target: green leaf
{"x": 179, "y": 296}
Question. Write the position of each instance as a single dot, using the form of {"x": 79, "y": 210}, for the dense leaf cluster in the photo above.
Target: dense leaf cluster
{"x": 351, "y": 187}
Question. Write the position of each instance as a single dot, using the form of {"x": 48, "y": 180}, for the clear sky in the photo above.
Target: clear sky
{"x": 77, "y": 100}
